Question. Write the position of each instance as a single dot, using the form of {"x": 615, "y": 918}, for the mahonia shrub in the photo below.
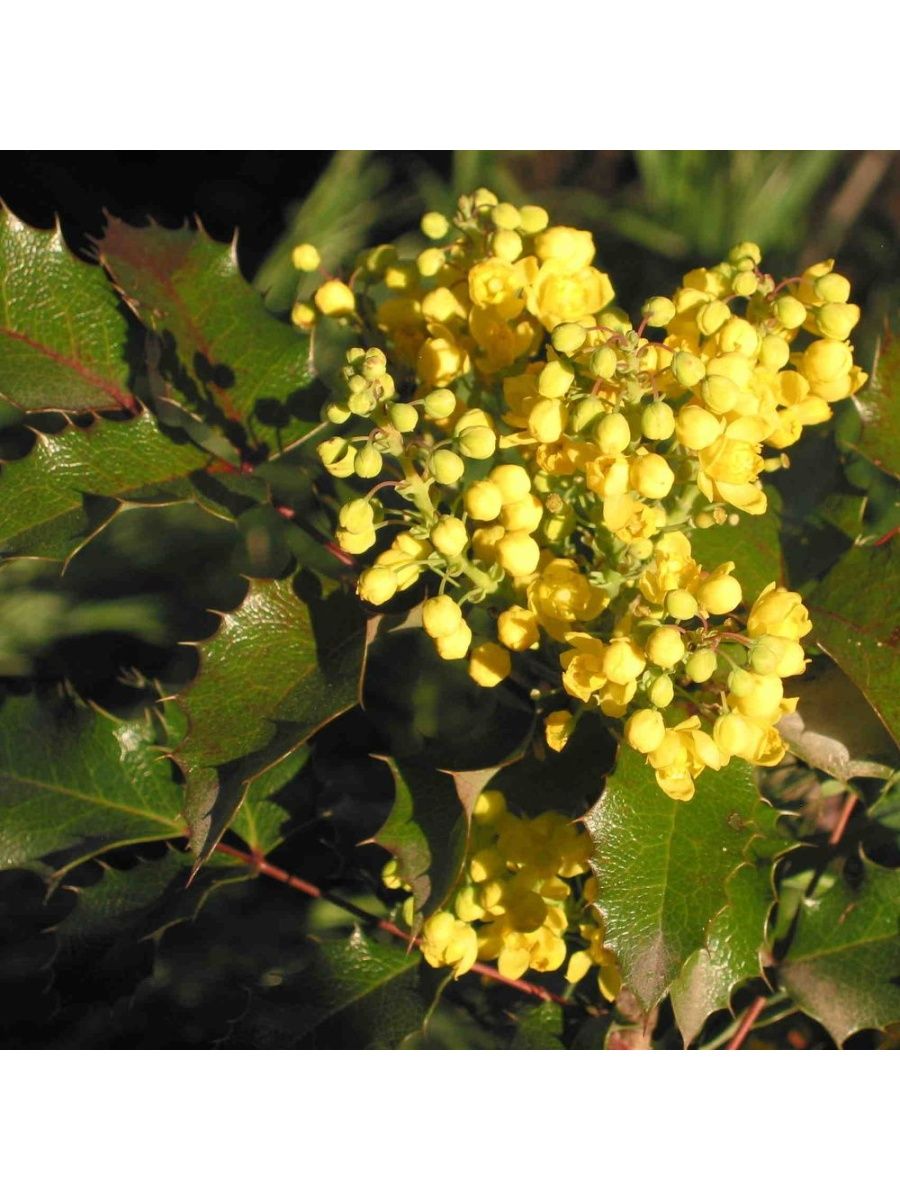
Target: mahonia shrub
{"x": 516, "y": 638}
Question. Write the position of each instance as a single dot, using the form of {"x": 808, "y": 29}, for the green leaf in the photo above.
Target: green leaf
{"x": 63, "y": 330}
{"x": 843, "y": 964}
{"x": 427, "y": 830}
{"x": 356, "y": 994}
{"x": 834, "y": 729}
{"x": 279, "y": 667}
{"x": 225, "y": 356}
{"x": 879, "y": 409}
{"x": 260, "y": 820}
{"x": 732, "y": 954}
{"x": 540, "y": 1028}
{"x": 855, "y": 623}
{"x": 663, "y": 866}
{"x": 754, "y": 546}
{"x": 77, "y": 782}
{"x": 49, "y": 496}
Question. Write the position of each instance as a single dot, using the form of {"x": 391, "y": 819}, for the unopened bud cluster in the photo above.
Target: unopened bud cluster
{"x": 544, "y": 462}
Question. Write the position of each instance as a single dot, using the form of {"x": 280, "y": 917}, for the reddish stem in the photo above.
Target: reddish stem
{"x": 747, "y": 1024}
{"x": 846, "y": 812}
{"x": 264, "y": 867}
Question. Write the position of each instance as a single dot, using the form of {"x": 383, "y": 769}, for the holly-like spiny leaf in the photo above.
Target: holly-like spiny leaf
{"x": 49, "y": 496}
{"x": 753, "y": 545}
{"x": 223, "y": 354}
{"x": 733, "y": 952}
{"x": 76, "y": 782}
{"x": 279, "y": 667}
{"x": 63, "y": 331}
{"x": 855, "y": 621}
{"x": 663, "y": 865}
{"x": 879, "y": 409}
{"x": 358, "y": 994}
{"x": 843, "y": 964}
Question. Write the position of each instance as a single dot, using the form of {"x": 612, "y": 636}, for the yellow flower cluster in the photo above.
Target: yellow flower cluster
{"x": 524, "y": 890}
{"x": 546, "y": 462}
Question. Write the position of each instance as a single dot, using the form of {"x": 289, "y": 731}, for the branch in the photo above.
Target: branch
{"x": 264, "y": 867}
{"x": 747, "y": 1023}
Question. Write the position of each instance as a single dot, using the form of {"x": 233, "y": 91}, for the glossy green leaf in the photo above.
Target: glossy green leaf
{"x": 261, "y": 821}
{"x": 753, "y": 545}
{"x": 76, "y": 782}
{"x": 358, "y": 994}
{"x": 539, "y": 1028}
{"x": 278, "y": 668}
{"x": 843, "y": 965}
{"x": 879, "y": 409}
{"x": 49, "y": 496}
{"x": 732, "y": 954}
{"x": 427, "y": 831}
{"x": 854, "y": 615}
{"x": 663, "y": 866}
{"x": 223, "y": 355}
{"x": 63, "y": 329}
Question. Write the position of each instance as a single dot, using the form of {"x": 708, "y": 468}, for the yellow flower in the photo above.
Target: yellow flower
{"x": 449, "y": 942}
{"x": 561, "y": 595}
{"x": 497, "y": 285}
{"x": 556, "y": 296}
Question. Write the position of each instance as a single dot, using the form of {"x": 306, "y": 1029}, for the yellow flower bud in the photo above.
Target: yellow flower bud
{"x": 449, "y": 537}
{"x": 483, "y": 500}
{"x": 447, "y": 467}
{"x": 712, "y": 316}
{"x": 456, "y": 644}
{"x": 623, "y": 661}
{"x": 657, "y": 422}
{"x": 477, "y": 442}
{"x": 558, "y": 726}
{"x": 435, "y": 226}
{"x": 738, "y": 336}
{"x": 651, "y": 476}
{"x": 837, "y": 320}
{"x": 440, "y": 404}
{"x": 779, "y": 655}
{"x": 780, "y": 613}
{"x": 522, "y": 516}
{"x": 735, "y": 735}
{"x": 532, "y": 218}
{"x": 356, "y": 543}
{"x": 832, "y": 288}
{"x": 404, "y": 417}
{"x": 661, "y": 692}
{"x": 489, "y": 664}
{"x": 681, "y": 605}
{"x": 789, "y": 312}
{"x": 719, "y": 594}
{"x": 658, "y": 311}
{"x": 745, "y": 283}
{"x": 568, "y": 338}
{"x": 518, "y": 554}
{"x": 555, "y": 379}
{"x": 429, "y": 262}
{"x": 762, "y": 700}
{"x": 546, "y": 420}
{"x": 368, "y": 463}
{"x": 303, "y": 316}
{"x": 357, "y": 515}
{"x": 613, "y": 433}
{"x": 441, "y": 616}
{"x": 506, "y": 245}
{"x": 665, "y": 647}
{"x": 517, "y": 628}
{"x": 701, "y": 665}
{"x": 645, "y": 730}
{"x": 337, "y": 457}
{"x": 335, "y": 299}
{"x": 688, "y": 369}
{"x": 483, "y": 198}
{"x": 745, "y": 250}
{"x": 719, "y": 393}
{"x": 604, "y": 362}
{"x": 489, "y": 807}
{"x": 774, "y": 352}
{"x": 696, "y": 428}
{"x": 305, "y": 257}
{"x": 376, "y": 585}
{"x": 513, "y": 481}
{"x": 505, "y": 216}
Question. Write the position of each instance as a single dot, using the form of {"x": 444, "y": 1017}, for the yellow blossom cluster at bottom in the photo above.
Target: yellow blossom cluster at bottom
{"x": 525, "y": 892}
